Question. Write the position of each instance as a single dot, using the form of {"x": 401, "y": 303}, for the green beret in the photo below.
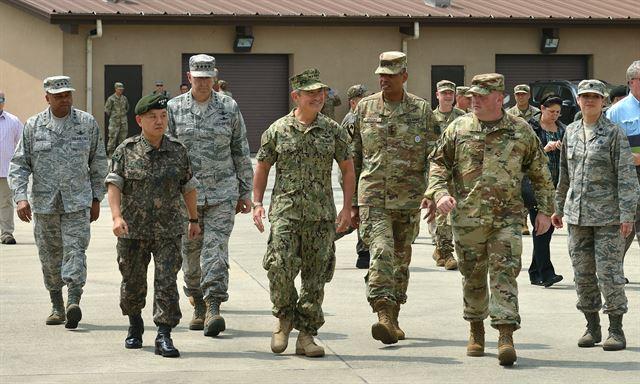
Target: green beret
{"x": 151, "y": 101}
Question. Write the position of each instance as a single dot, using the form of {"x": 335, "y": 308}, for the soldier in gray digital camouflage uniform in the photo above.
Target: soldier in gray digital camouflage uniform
{"x": 597, "y": 195}
{"x": 211, "y": 126}
{"x": 62, "y": 150}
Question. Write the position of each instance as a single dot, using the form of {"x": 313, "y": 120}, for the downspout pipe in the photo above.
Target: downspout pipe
{"x": 416, "y": 36}
{"x": 93, "y": 34}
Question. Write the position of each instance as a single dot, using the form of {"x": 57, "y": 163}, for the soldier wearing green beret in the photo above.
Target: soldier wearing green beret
{"x": 150, "y": 175}
{"x": 116, "y": 108}
{"x": 476, "y": 174}
{"x": 303, "y": 146}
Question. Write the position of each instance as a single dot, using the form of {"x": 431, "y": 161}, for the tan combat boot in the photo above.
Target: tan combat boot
{"x": 593, "y": 334}
{"x": 280, "y": 336}
{"x": 74, "y": 313}
{"x": 306, "y": 346}
{"x": 475, "y": 347}
{"x": 399, "y": 332}
{"x": 57, "y": 316}
{"x": 506, "y": 350}
{"x": 213, "y": 321}
{"x": 438, "y": 257}
{"x": 384, "y": 329}
{"x": 199, "y": 311}
{"x": 616, "y": 340}
{"x": 450, "y": 263}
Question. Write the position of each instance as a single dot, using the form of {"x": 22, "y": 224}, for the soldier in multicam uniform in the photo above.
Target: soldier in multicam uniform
{"x": 331, "y": 101}
{"x": 303, "y": 146}
{"x": 62, "y": 149}
{"x": 355, "y": 93}
{"x": 117, "y": 107}
{"x": 149, "y": 174}
{"x": 596, "y": 166}
{"x": 394, "y": 133}
{"x": 210, "y": 125}
{"x": 444, "y": 114}
{"x": 463, "y": 101}
{"x": 483, "y": 157}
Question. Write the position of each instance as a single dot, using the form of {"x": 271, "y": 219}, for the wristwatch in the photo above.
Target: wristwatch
{"x": 255, "y": 204}
{"x": 194, "y": 221}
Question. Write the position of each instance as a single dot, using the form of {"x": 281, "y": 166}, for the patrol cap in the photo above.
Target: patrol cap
{"x": 445, "y": 85}
{"x": 151, "y": 101}
{"x": 391, "y": 63}
{"x": 159, "y": 82}
{"x": 57, "y": 84}
{"x": 118, "y": 85}
{"x": 591, "y": 86}
{"x": 308, "y": 80}
{"x": 521, "y": 88}
{"x": 202, "y": 66}
{"x": 485, "y": 83}
{"x": 357, "y": 90}
{"x": 462, "y": 91}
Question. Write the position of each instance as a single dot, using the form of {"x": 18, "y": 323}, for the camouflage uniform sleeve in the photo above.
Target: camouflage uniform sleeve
{"x": 116, "y": 173}
{"x": 171, "y": 127}
{"x": 20, "y": 165}
{"x": 536, "y": 168}
{"x": 563, "y": 180}
{"x": 241, "y": 156}
{"x": 343, "y": 149}
{"x": 356, "y": 145}
{"x": 441, "y": 164}
{"x": 108, "y": 106}
{"x": 126, "y": 104}
{"x": 188, "y": 182}
{"x": 628, "y": 189}
{"x": 267, "y": 151}
{"x": 98, "y": 166}
{"x": 431, "y": 129}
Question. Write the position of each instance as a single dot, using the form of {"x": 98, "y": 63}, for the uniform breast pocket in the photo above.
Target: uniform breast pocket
{"x": 470, "y": 149}
{"x": 134, "y": 179}
{"x": 39, "y": 146}
{"x": 372, "y": 137}
{"x": 80, "y": 145}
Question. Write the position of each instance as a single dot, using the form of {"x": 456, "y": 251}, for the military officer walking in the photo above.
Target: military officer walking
{"x": 303, "y": 146}
{"x": 62, "y": 150}
{"x": 596, "y": 166}
{"x": 483, "y": 156}
{"x": 117, "y": 107}
{"x": 394, "y": 132}
{"x": 444, "y": 114}
{"x": 149, "y": 174}
{"x": 210, "y": 125}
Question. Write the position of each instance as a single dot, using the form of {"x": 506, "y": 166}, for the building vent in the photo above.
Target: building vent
{"x": 438, "y": 3}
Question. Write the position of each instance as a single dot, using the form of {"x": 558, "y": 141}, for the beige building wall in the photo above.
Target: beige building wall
{"x": 30, "y": 50}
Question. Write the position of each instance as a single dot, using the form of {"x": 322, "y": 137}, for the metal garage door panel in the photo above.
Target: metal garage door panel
{"x": 525, "y": 69}
{"x": 260, "y": 86}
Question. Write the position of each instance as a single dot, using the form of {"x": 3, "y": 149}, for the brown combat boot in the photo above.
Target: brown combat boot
{"x": 399, "y": 332}
{"x": 475, "y": 347}
{"x": 280, "y": 336}
{"x": 199, "y": 311}
{"x": 213, "y": 321}
{"x": 437, "y": 256}
{"x": 593, "y": 334}
{"x": 306, "y": 346}
{"x": 506, "y": 350}
{"x": 57, "y": 316}
{"x": 616, "y": 340}
{"x": 450, "y": 263}
{"x": 384, "y": 329}
{"x": 74, "y": 314}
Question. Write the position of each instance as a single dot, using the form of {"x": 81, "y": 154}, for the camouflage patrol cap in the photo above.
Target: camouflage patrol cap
{"x": 57, "y": 84}
{"x": 391, "y": 63}
{"x": 462, "y": 91}
{"x": 308, "y": 80}
{"x": 521, "y": 88}
{"x": 159, "y": 82}
{"x": 446, "y": 85}
{"x": 202, "y": 66}
{"x": 118, "y": 85}
{"x": 151, "y": 101}
{"x": 357, "y": 90}
{"x": 591, "y": 86}
{"x": 486, "y": 83}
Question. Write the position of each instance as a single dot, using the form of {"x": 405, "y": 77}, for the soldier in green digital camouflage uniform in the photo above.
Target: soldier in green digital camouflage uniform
{"x": 302, "y": 145}
{"x": 444, "y": 114}
{"x": 62, "y": 152}
{"x": 394, "y": 132}
{"x": 597, "y": 195}
{"x": 150, "y": 175}
{"x": 476, "y": 174}
{"x": 117, "y": 107}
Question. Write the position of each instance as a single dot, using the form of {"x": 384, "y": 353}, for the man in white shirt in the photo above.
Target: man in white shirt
{"x": 10, "y": 132}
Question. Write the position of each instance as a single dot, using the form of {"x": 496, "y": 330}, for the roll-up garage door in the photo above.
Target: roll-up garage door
{"x": 259, "y": 84}
{"x": 525, "y": 69}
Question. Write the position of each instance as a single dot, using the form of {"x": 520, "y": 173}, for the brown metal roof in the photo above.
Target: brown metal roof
{"x": 293, "y": 11}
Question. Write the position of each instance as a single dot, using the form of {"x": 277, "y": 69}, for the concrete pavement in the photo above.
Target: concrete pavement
{"x": 434, "y": 351}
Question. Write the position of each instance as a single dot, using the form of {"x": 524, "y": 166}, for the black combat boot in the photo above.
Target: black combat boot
{"x": 74, "y": 314}
{"x": 136, "y": 329}
{"x": 164, "y": 344}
